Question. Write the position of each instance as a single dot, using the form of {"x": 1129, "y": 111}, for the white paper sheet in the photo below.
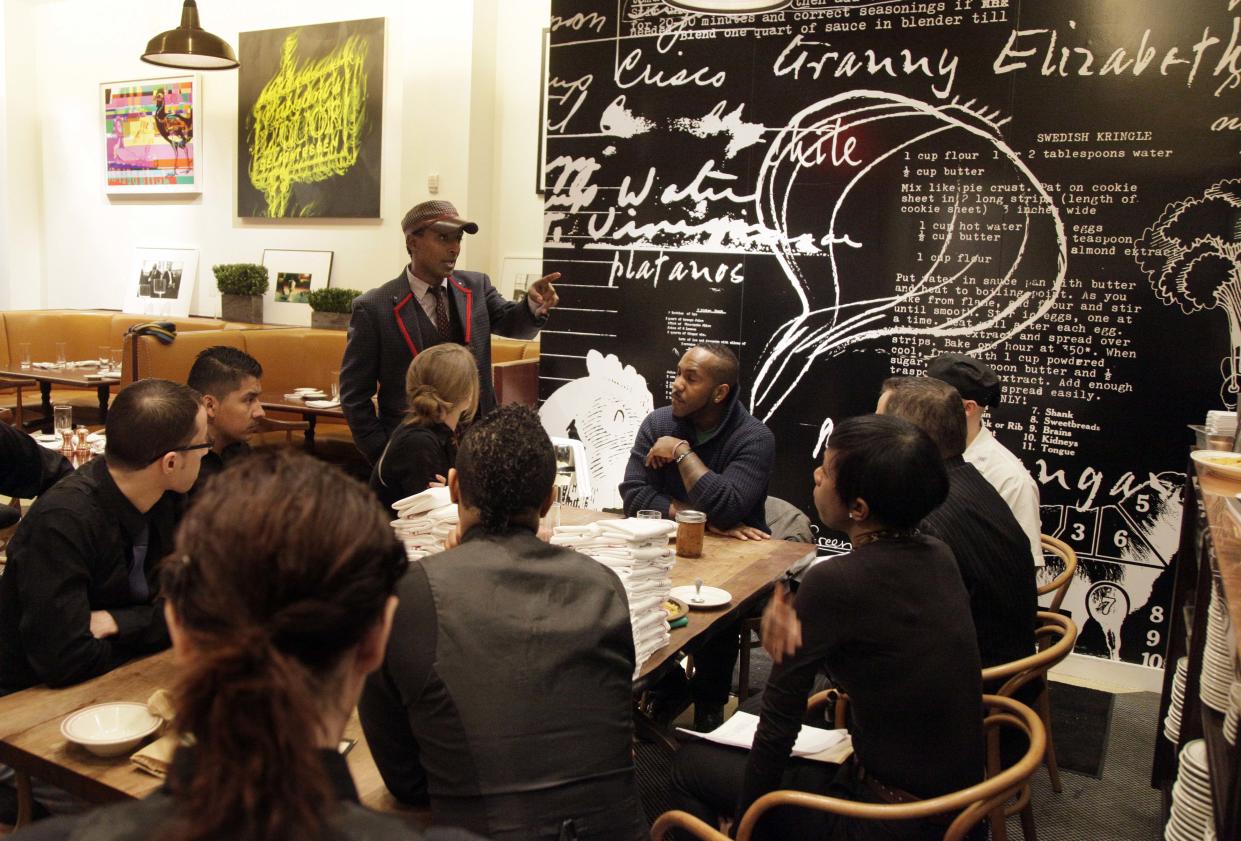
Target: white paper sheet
{"x": 739, "y": 731}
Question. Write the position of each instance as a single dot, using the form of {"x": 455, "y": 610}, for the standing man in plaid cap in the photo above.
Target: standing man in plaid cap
{"x": 980, "y": 388}
{"x": 428, "y": 303}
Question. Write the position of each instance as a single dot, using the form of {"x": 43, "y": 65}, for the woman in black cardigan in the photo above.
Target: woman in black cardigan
{"x": 889, "y": 623}
{"x": 442, "y": 391}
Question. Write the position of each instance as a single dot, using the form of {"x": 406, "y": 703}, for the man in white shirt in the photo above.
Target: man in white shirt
{"x": 980, "y": 388}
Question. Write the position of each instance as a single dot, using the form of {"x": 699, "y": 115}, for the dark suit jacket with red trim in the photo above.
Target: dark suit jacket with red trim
{"x": 384, "y": 336}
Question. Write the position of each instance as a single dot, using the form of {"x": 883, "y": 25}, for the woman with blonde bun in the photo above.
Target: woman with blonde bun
{"x": 441, "y": 388}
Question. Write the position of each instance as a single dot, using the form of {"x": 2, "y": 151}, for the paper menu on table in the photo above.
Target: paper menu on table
{"x": 812, "y": 742}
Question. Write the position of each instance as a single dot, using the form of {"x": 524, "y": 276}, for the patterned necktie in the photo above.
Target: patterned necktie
{"x": 442, "y": 322}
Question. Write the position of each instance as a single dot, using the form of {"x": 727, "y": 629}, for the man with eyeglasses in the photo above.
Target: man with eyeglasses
{"x": 428, "y": 303}
{"x": 79, "y": 593}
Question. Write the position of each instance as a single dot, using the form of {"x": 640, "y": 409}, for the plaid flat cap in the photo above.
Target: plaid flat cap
{"x": 439, "y": 213}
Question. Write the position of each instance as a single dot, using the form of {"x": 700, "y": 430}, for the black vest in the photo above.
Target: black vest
{"x": 430, "y": 333}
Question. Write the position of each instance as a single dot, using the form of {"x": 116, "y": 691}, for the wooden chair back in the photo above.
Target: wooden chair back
{"x": 1060, "y": 584}
{"x": 1055, "y": 636}
{"x": 973, "y": 804}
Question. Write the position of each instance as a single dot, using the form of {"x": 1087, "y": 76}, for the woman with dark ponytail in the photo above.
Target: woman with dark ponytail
{"x": 441, "y": 388}
{"x": 277, "y": 613}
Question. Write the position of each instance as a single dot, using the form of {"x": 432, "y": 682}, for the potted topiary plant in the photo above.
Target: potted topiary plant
{"x": 241, "y": 288}
{"x": 330, "y": 307}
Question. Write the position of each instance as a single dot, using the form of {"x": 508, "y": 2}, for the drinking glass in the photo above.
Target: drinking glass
{"x": 114, "y": 358}
{"x": 648, "y": 514}
{"x": 551, "y": 520}
{"x": 105, "y": 357}
{"x": 61, "y": 361}
{"x": 23, "y": 354}
{"x": 334, "y": 385}
{"x": 62, "y": 419}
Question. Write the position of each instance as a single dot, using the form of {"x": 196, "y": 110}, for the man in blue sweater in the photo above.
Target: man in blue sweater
{"x": 704, "y": 452}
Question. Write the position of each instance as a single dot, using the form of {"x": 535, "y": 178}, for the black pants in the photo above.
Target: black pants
{"x": 713, "y": 668}
{"x": 707, "y": 780}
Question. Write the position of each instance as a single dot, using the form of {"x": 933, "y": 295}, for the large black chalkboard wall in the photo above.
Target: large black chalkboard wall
{"x": 841, "y": 189}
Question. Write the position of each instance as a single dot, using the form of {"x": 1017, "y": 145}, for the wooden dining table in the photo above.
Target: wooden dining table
{"x": 273, "y": 401}
{"x": 31, "y": 741}
{"x": 73, "y": 377}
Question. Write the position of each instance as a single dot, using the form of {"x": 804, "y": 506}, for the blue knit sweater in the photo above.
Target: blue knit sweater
{"x": 740, "y": 457}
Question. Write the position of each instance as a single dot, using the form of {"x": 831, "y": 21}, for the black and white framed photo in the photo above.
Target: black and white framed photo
{"x": 161, "y": 281}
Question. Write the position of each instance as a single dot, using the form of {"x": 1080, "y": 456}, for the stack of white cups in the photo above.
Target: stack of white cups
{"x": 638, "y": 552}
{"x": 424, "y": 521}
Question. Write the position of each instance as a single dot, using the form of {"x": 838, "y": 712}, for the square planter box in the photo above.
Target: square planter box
{"x": 329, "y": 320}
{"x": 247, "y": 308}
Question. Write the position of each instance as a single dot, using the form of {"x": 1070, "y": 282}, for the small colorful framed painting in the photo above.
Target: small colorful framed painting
{"x": 152, "y": 135}
{"x": 291, "y": 276}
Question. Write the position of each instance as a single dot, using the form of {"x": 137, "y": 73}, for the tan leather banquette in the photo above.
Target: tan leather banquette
{"x": 84, "y": 332}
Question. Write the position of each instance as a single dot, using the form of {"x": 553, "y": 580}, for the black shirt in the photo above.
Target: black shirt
{"x": 27, "y": 469}
{"x": 889, "y": 622}
{"x": 214, "y": 462}
{"x": 138, "y": 820}
{"x": 993, "y": 554}
{"x": 71, "y": 556}
{"x": 415, "y": 455}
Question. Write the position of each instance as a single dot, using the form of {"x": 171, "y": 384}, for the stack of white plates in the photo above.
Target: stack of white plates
{"x": 1221, "y": 423}
{"x": 1218, "y": 656}
{"x": 1234, "y": 712}
{"x": 1172, "y": 723}
{"x": 1191, "y": 816}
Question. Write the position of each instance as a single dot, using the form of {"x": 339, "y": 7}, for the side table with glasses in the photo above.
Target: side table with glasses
{"x": 48, "y": 375}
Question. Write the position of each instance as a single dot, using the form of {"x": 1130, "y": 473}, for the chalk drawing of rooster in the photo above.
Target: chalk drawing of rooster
{"x": 176, "y": 129}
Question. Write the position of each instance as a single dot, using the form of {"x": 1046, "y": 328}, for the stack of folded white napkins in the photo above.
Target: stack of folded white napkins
{"x": 424, "y": 521}
{"x": 638, "y": 552}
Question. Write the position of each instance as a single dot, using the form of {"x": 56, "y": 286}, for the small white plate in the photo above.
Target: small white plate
{"x": 709, "y": 597}
{"x": 1217, "y": 461}
{"x": 47, "y": 438}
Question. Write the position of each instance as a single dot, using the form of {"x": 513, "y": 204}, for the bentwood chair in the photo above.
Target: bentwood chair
{"x": 1055, "y": 637}
{"x": 971, "y": 805}
{"x": 1059, "y": 585}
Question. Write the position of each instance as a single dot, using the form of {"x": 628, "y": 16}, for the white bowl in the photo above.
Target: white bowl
{"x": 110, "y": 729}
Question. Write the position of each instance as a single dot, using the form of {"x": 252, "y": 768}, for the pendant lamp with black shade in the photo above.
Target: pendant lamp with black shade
{"x": 189, "y": 46}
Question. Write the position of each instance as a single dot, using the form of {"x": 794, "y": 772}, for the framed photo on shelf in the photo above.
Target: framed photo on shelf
{"x": 152, "y": 135}
{"x": 161, "y": 281}
{"x": 291, "y": 276}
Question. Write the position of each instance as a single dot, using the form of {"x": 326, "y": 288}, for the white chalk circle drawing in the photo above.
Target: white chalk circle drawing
{"x": 603, "y": 410}
{"x": 1122, "y": 549}
{"x": 822, "y": 160}
{"x": 1192, "y": 256}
